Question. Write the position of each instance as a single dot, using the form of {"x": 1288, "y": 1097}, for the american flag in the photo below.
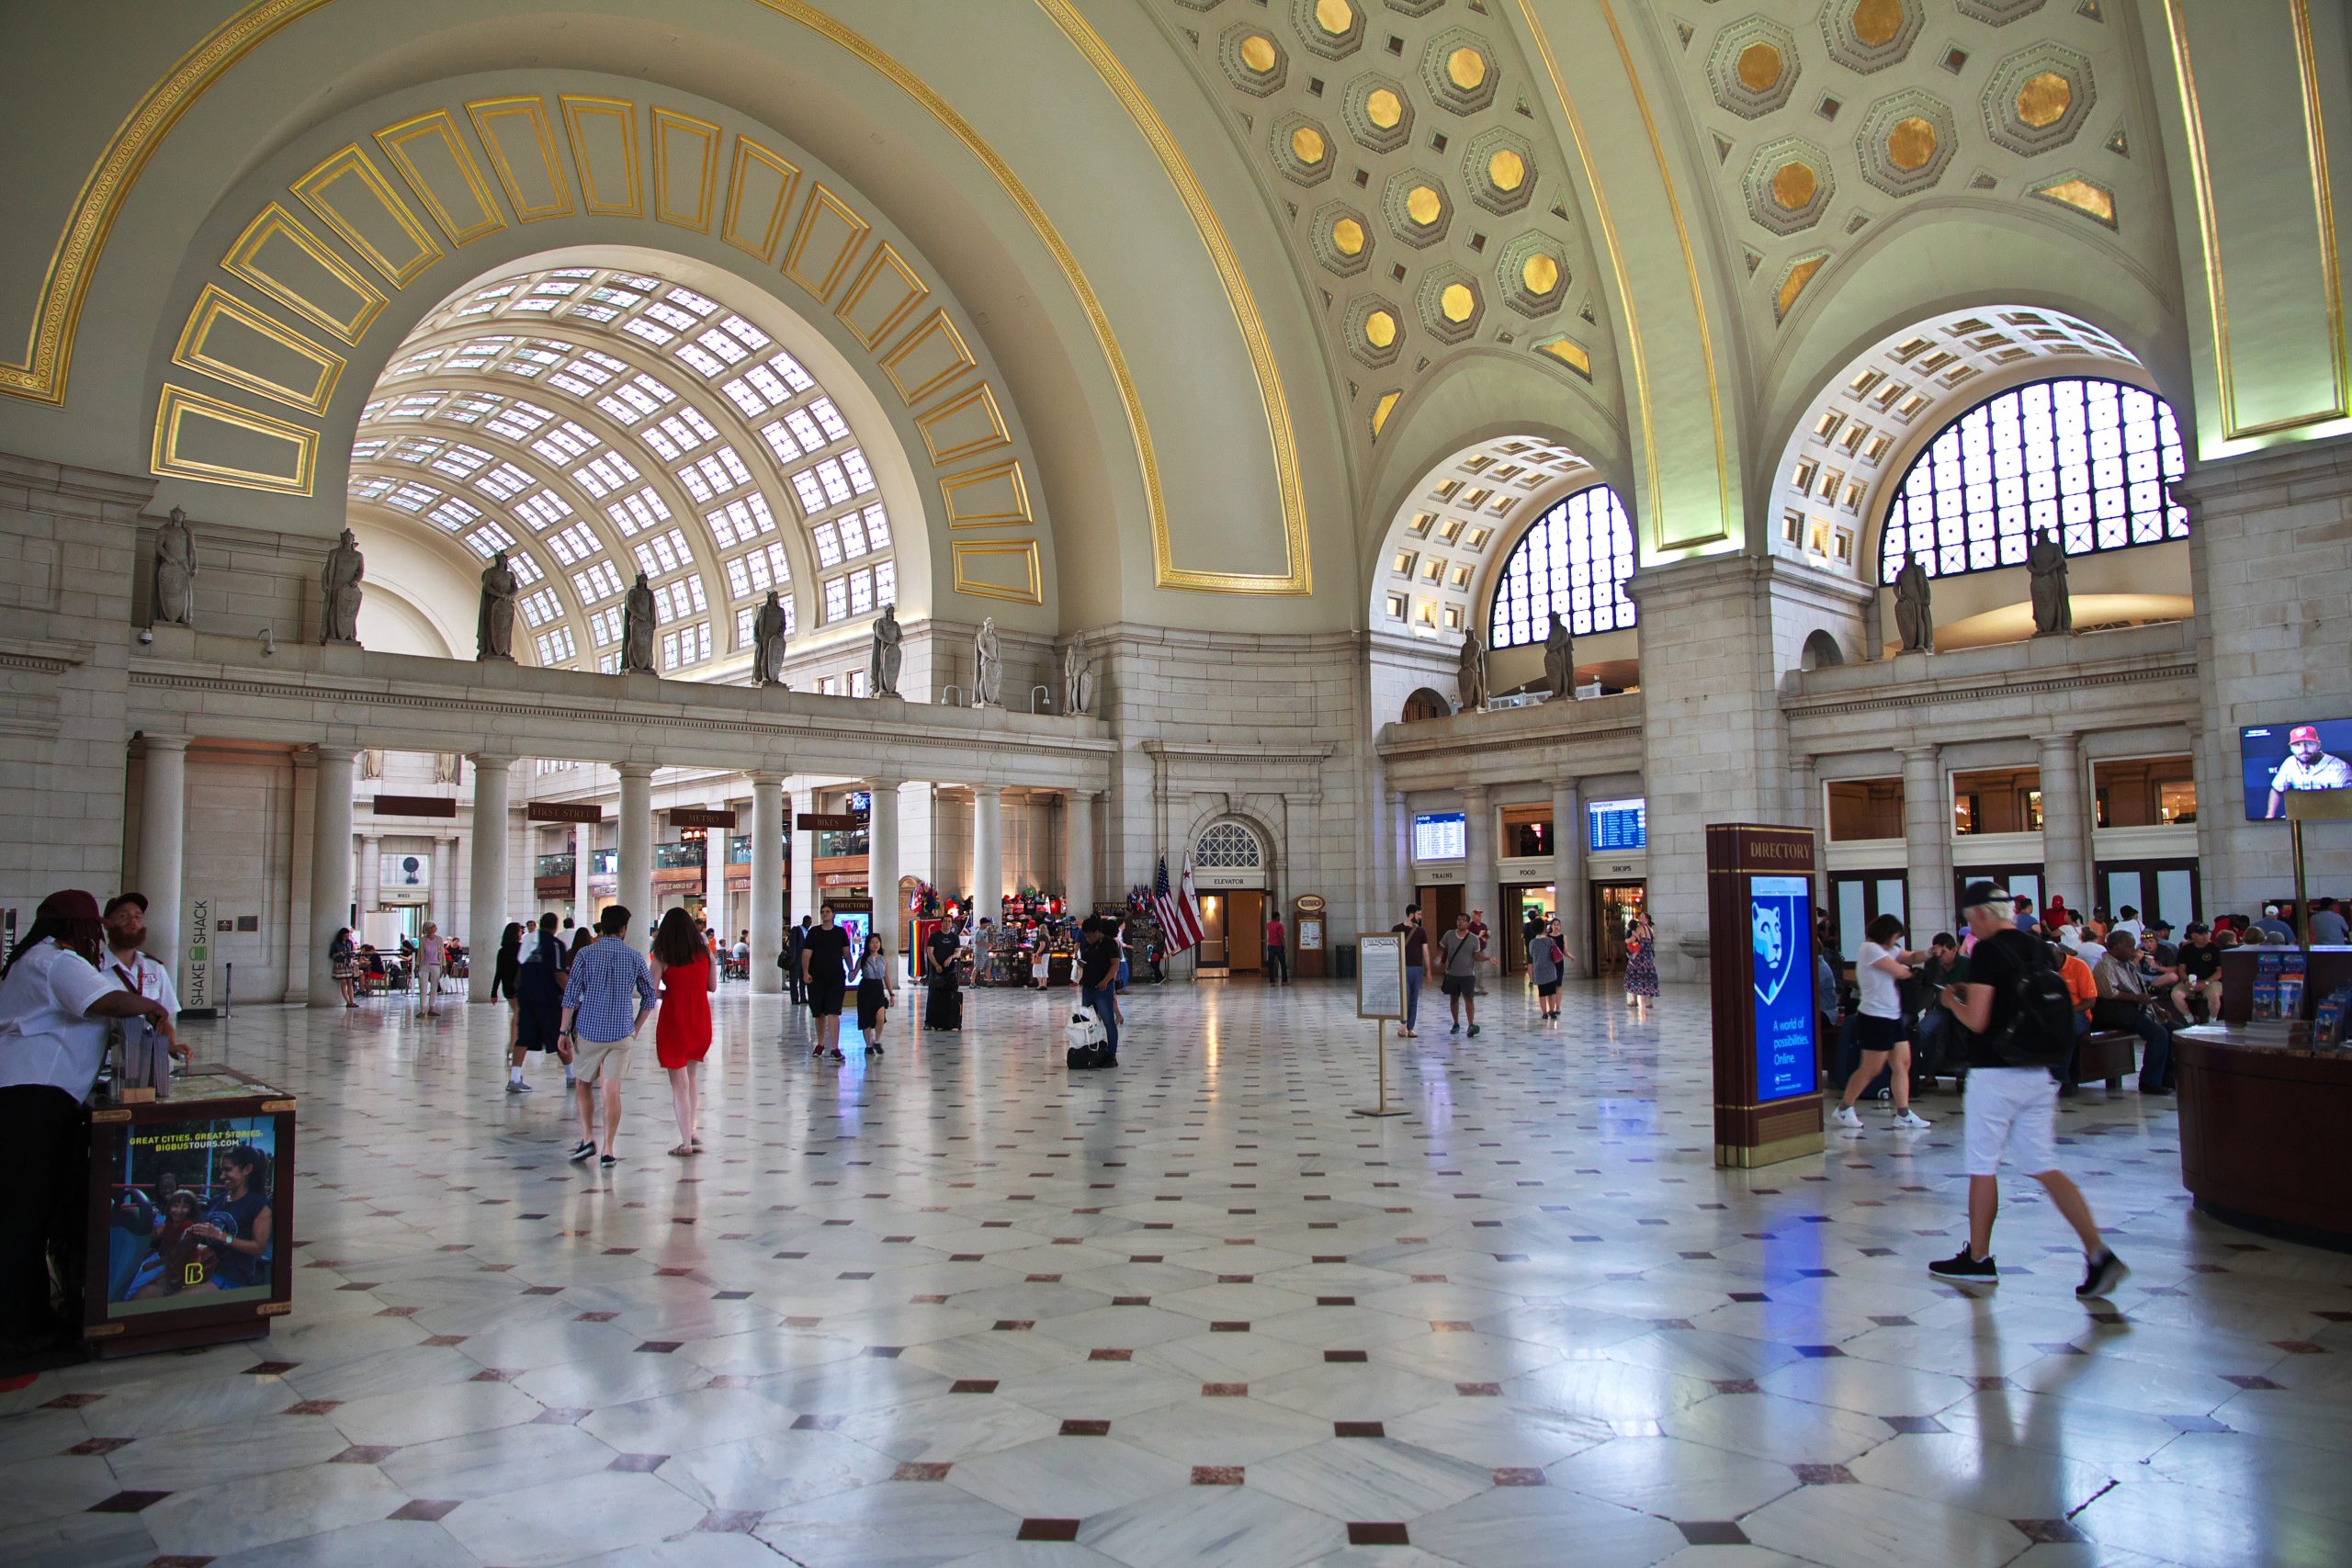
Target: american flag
{"x": 1179, "y": 913}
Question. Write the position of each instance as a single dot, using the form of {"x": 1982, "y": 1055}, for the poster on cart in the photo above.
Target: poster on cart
{"x": 192, "y": 1221}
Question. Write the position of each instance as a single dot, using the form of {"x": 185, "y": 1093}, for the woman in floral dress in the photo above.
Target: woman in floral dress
{"x": 1641, "y": 962}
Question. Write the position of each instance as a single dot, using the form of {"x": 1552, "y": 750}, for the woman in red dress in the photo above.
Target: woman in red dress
{"x": 681, "y": 1034}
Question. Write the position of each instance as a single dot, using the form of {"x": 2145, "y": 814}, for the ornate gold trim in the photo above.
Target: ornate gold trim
{"x": 351, "y": 161}
{"x": 747, "y": 153}
{"x": 933, "y": 325}
{"x": 1298, "y": 576}
{"x": 822, "y": 200}
{"x": 486, "y": 113}
{"x": 216, "y": 305}
{"x": 578, "y": 109}
{"x": 1016, "y": 490}
{"x": 244, "y": 261}
{"x": 992, "y": 434}
{"x": 961, "y": 550}
{"x": 177, "y": 405}
{"x": 886, "y": 257}
{"x": 394, "y": 140}
{"x": 2200, "y": 182}
{"x": 669, "y": 123}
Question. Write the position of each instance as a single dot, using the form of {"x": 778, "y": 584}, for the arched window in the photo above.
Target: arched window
{"x": 1576, "y": 560}
{"x": 2086, "y": 457}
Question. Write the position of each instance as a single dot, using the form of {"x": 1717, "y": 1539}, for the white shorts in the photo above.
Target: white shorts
{"x": 2014, "y": 1108}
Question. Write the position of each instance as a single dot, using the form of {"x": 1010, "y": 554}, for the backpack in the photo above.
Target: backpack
{"x": 1089, "y": 1046}
{"x": 2040, "y": 1033}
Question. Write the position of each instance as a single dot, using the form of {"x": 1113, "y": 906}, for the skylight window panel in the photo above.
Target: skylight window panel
{"x": 669, "y": 316}
{"x": 518, "y": 420}
{"x": 743, "y": 619}
{"x": 608, "y": 472}
{"x": 416, "y": 449}
{"x": 653, "y": 333}
{"x": 561, "y": 283}
{"x": 812, "y": 494}
{"x": 503, "y": 482}
{"x": 565, "y": 443}
{"x": 750, "y": 573}
{"x": 836, "y": 600}
{"x": 454, "y": 514}
{"x": 828, "y": 545}
{"x": 746, "y": 396}
{"x": 781, "y": 441}
{"x": 415, "y": 497}
{"x": 860, "y": 478}
{"x": 778, "y": 563}
{"x": 877, "y": 526}
{"x": 478, "y": 352}
{"x": 807, "y": 430}
{"x": 737, "y": 473}
{"x": 461, "y": 461}
{"x": 423, "y": 359}
{"x": 367, "y": 451}
{"x": 783, "y": 365}
{"x": 526, "y": 570}
{"x": 885, "y": 582}
{"x": 836, "y": 427}
{"x": 692, "y": 301}
{"x": 416, "y": 405}
{"x": 739, "y": 578}
{"x": 837, "y": 485}
{"x": 535, "y": 305}
{"x": 370, "y": 410}
{"x": 539, "y": 608}
{"x": 544, "y": 510}
{"x": 853, "y": 533}
{"x": 564, "y": 381}
{"x": 367, "y": 487}
{"x": 704, "y": 361}
{"x": 557, "y": 647}
{"x": 469, "y": 408}
{"x": 483, "y": 302}
{"x": 724, "y": 346}
{"x": 640, "y": 511}
{"x": 488, "y": 539}
{"x": 631, "y": 280}
{"x": 663, "y": 553}
{"x": 600, "y": 582}
{"x": 592, "y": 310}
{"x": 604, "y": 625}
{"x": 861, "y": 593}
{"x": 747, "y": 332}
{"x": 573, "y": 545}
{"x": 611, "y": 294}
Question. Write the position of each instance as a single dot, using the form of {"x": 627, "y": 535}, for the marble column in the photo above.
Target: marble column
{"x": 1568, "y": 897}
{"x": 805, "y": 891}
{"x": 635, "y": 886}
{"x": 371, "y": 872}
{"x": 1479, "y": 867}
{"x": 583, "y": 861}
{"x": 768, "y": 882}
{"x": 1927, "y": 842}
{"x": 2065, "y": 824}
{"x": 714, "y": 882}
{"x": 441, "y": 898}
{"x": 330, "y": 868}
{"x": 882, "y": 862}
{"x": 487, "y": 917}
{"x": 1394, "y": 844}
{"x": 1077, "y": 851}
{"x": 987, "y": 852}
{"x": 162, "y": 844}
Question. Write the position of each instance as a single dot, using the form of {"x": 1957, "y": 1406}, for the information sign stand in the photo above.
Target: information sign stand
{"x": 1761, "y": 962}
{"x": 1380, "y": 996}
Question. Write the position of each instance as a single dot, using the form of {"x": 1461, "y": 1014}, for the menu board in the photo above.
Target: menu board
{"x": 1441, "y": 835}
{"x": 1380, "y": 975}
{"x": 1618, "y": 825}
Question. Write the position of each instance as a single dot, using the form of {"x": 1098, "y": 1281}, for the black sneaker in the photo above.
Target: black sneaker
{"x": 608, "y": 1162}
{"x": 2100, "y": 1279}
{"x": 1962, "y": 1269}
{"x": 581, "y": 1152}
{"x": 1474, "y": 1029}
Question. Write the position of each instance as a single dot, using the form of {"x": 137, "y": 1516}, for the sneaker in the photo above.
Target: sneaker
{"x": 1847, "y": 1117}
{"x": 1911, "y": 1121}
{"x": 581, "y": 1152}
{"x": 838, "y": 1057}
{"x": 1962, "y": 1269}
{"x": 515, "y": 1086}
{"x": 1474, "y": 1029}
{"x": 609, "y": 1161}
{"x": 2100, "y": 1279}
{"x": 1456, "y": 1028}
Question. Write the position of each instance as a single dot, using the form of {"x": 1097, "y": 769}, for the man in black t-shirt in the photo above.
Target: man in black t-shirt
{"x": 2201, "y": 972}
{"x": 2009, "y": 1107}
{"x": 824, "y": 972}
{"x": 1417, "y": 965}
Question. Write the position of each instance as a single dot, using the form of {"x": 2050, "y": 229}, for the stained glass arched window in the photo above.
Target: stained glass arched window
{"x": 2086, "y": 457}
{"x": 1576, "y": 559}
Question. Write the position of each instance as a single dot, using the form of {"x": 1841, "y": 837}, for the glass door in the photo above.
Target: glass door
{"x": 1615, "y": 905}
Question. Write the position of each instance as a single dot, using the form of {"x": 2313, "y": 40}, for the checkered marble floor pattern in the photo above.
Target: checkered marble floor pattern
{"x": 954, "y": 1304}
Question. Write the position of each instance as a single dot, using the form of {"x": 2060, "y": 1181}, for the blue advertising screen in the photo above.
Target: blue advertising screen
{"x": 1618, "y": 825}
{"x": 1779, "y": 912}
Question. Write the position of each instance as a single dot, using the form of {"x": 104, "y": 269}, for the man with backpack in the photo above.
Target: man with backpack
{"x": 2016, "y": 1020}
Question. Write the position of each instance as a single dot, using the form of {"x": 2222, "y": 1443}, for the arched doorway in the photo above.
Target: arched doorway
{"x": 1232, "y": 869}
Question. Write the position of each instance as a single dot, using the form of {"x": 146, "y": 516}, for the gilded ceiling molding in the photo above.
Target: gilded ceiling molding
{"x": 2209, "y": 227}
{"x": 1638, "y": 355}
{"x": 1299, "y": 576}
{"x": 49, "y": 349}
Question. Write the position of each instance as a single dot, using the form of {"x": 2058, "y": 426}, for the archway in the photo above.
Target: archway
{"x": 1233, "y": 867}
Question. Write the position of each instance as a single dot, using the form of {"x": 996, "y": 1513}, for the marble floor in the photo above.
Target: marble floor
{"x": 956, "y": 1305}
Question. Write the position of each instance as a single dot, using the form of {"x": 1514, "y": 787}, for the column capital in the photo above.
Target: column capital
{"x": 481, "y": 759}
{"x": 1476, "y": 791}
{"x": 2064, "y": 741}
{"x": 1082, "y": 794}
{"x": 634, "y": 770}
{"x": 988, "y": 792}
{"x": 767, "y": 780}
{"x": 1931, "y": 751}
{"x": 156, "y": 743}
{"x": 344, "y": 754}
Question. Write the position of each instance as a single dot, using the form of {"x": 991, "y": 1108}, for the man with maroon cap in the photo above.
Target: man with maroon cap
{"x": 55, "y": 1008}
{"x": 2308, "y": 766}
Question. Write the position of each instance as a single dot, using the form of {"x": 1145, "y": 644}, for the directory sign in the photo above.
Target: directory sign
{"x": 1441, "y": 835}
{"x": 1780, "y": 924}
{"x": 1617, "y": 824}
{"x": 1380, "y": 975}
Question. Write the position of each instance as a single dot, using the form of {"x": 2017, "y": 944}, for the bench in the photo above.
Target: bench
{"x": 2105, "y": 1054}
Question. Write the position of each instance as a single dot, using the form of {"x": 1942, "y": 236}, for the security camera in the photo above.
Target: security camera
{"x": 146, "y": 638}
{"x": 268, "y": 643}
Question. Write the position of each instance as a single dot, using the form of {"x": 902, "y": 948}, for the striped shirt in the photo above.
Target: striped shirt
{"x": 602, "y": 978}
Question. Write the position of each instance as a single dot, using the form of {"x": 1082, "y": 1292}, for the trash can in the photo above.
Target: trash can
{"x": 1343, "y": 961}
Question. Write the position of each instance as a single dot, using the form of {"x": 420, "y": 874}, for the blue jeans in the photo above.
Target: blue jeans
{"x": 2155, "y": 1061}
{"x": 1412, "y": 994}
{"x": 1105, "y": 1004}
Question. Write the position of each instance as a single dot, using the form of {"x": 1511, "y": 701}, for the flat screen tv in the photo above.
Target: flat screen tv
{"x": 1441, "y": 835}
{"x": 2301, "y": 754}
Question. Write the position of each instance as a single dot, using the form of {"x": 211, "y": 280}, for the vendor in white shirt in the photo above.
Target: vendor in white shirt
{"x": 129, "y": 965}
{"x": 55, "y": 1007}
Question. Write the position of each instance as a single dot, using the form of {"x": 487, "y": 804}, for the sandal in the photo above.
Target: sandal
{"x": 682, "y": 1151}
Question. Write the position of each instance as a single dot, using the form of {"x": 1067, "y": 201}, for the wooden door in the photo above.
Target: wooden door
{"x": 1245, "y": 931}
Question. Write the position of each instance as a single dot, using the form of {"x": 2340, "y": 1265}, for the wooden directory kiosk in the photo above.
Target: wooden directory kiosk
{"x": 1310, "y": 932}
{"x": 1760, "y": 941}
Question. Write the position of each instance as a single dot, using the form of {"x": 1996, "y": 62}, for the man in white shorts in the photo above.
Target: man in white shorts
{"x": 2010, "y": 1108}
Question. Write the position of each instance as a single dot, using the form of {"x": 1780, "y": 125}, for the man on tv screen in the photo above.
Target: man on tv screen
{"x": 2307, "y": 766}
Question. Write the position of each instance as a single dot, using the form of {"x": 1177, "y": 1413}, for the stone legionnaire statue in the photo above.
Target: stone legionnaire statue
{"x": 1078, "y": 679}
{"x": 174, "y": 573}
{"x": 1915, "y": 613}
{"x": 495, "y": 627}
{"x": 1559, "y": 657}
{"x": 2054, "y": 612}
{"x": 883, "y": 661}
{"x": 767, "y": 643}
{"x": 1472, "y": 678}
{"x": 636, "y": 629}
{"x": 449, "y": 767}
{"x": 987, "y": 668}
{"x": 339, "y": 583}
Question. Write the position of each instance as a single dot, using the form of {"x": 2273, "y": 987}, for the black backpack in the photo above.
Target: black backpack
{"x": 2041, "y": 1033}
